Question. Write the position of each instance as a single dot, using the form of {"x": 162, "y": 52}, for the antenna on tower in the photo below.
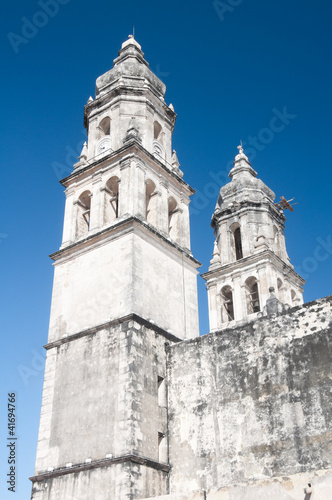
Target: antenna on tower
{"x": 133, "y": 31}
{"x": 284, "y": 204}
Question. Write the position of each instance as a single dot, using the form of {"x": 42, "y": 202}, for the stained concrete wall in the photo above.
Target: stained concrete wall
{"x": 252, "y": 402}
{"x": 133, "y": 272}
{"x": 121, "y": 481}
{"x": 293, "y": 487}
{"x": 101, "y": 398}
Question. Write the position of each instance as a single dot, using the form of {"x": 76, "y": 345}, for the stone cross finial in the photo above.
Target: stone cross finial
{"x": 240, "y": 148}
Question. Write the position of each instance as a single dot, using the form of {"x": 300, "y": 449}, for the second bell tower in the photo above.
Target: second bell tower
{"x": 249, "y": 254}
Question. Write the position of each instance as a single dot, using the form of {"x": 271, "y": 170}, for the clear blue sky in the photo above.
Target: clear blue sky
{"x": 228, "y": 72}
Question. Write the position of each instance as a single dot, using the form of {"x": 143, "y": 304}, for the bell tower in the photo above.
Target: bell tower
{"x": 124, "y": 287}
{"x": 249, "y": 256}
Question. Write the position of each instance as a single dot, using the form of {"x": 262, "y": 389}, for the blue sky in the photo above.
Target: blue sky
{"x": 229, "y": 67}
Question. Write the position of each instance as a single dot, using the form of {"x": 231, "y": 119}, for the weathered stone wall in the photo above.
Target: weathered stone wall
{"x": 117, "y": 481}
{"x": 100, "y": 402}
{"x": 252, "y": 402}
{"x": 293, "y": 487}
{"x": 130, "y": 270}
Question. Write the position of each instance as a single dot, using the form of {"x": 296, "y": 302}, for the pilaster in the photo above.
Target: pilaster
{"x": 139, "y": 194}
{"x": 238, "y": 299}
{"x": 163, "y": 206}
{"x": 69, "y": 220}
{"x": 185, "y": 225}
{"x": 213, "y": 307}
{"x": 96, "y": 210}
{"x": 125, "y": 187}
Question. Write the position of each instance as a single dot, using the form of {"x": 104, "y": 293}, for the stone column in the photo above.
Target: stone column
{"x": 213, "y": 307}
{"x": 185, "y": 225}
{"x": 239, "y": 299}
{"x": 163, "y": 207}
{"x": 246, "y": 236}
{"x": 96, "y": 203}
{"x": 69, "y": 225}
{"x": 140, "y": 190}
{"x": 223, "y": 244}
{"x": 271, "y": 278}
{"x": 263, "y": 285}
{"x": 92, "y": 139}
{"x": 287, "y": 293}
{"x": 282, "y": 243}
{"x": 125, "y": 188}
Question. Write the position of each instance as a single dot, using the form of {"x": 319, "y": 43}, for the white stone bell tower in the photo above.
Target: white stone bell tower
{"x": 124, "y": 286}
{"x": 249, "y": 254}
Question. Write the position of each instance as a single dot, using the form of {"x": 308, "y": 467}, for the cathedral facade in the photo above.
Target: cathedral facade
{"x": 136, "y": 405}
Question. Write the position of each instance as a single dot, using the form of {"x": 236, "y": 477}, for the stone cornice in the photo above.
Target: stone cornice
{"x": 254, "y": 259}
{"x": 132, "y": 147}
{"x": 109, "y": 324}
{"x": 122, "y": 225}
{"x": 119, "y": 91}
{"x": 224, "y": 214}
{"x": 105, "y": 462}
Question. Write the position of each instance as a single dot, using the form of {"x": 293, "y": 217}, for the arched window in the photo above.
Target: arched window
{"x": 238, "y": 243}
{"x": 104, "y": 127}
{"x": 173, "y": 219}
{"x": 83, "y": 213}
{"x": 103, "y": 145}
{"x": 227, "y": 312}
{"x": 158, "y": 148}
{"x": 253, "y": 304}
{"x": 111, "y": 199}
{"x": 151, "y": 202}
{"x": 294, "y": 298}
{"x": 157, "y": 132}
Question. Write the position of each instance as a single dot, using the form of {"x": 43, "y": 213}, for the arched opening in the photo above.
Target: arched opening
{"x": 294, "y": 298}
{"x": 111, "y": 199}
{"x": 151, "y": 202}
{"x": 281, "y": 290}
{"x": 173, "y": 219}
{"x": 158, "y": 148}
{"x": 253, "y": 304}
{"x": 238, "y": 243}
{"x": 104, "y": 127}
{"x": 227, "y": 312}
{"x": 157, "y": 132}
{"x": 83, "y": 213}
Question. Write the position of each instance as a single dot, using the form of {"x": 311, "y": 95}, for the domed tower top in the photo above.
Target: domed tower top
{"x": 249, "y": 254}
{"x": 130, "y": 68}
{"x": 245, "y": 186}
